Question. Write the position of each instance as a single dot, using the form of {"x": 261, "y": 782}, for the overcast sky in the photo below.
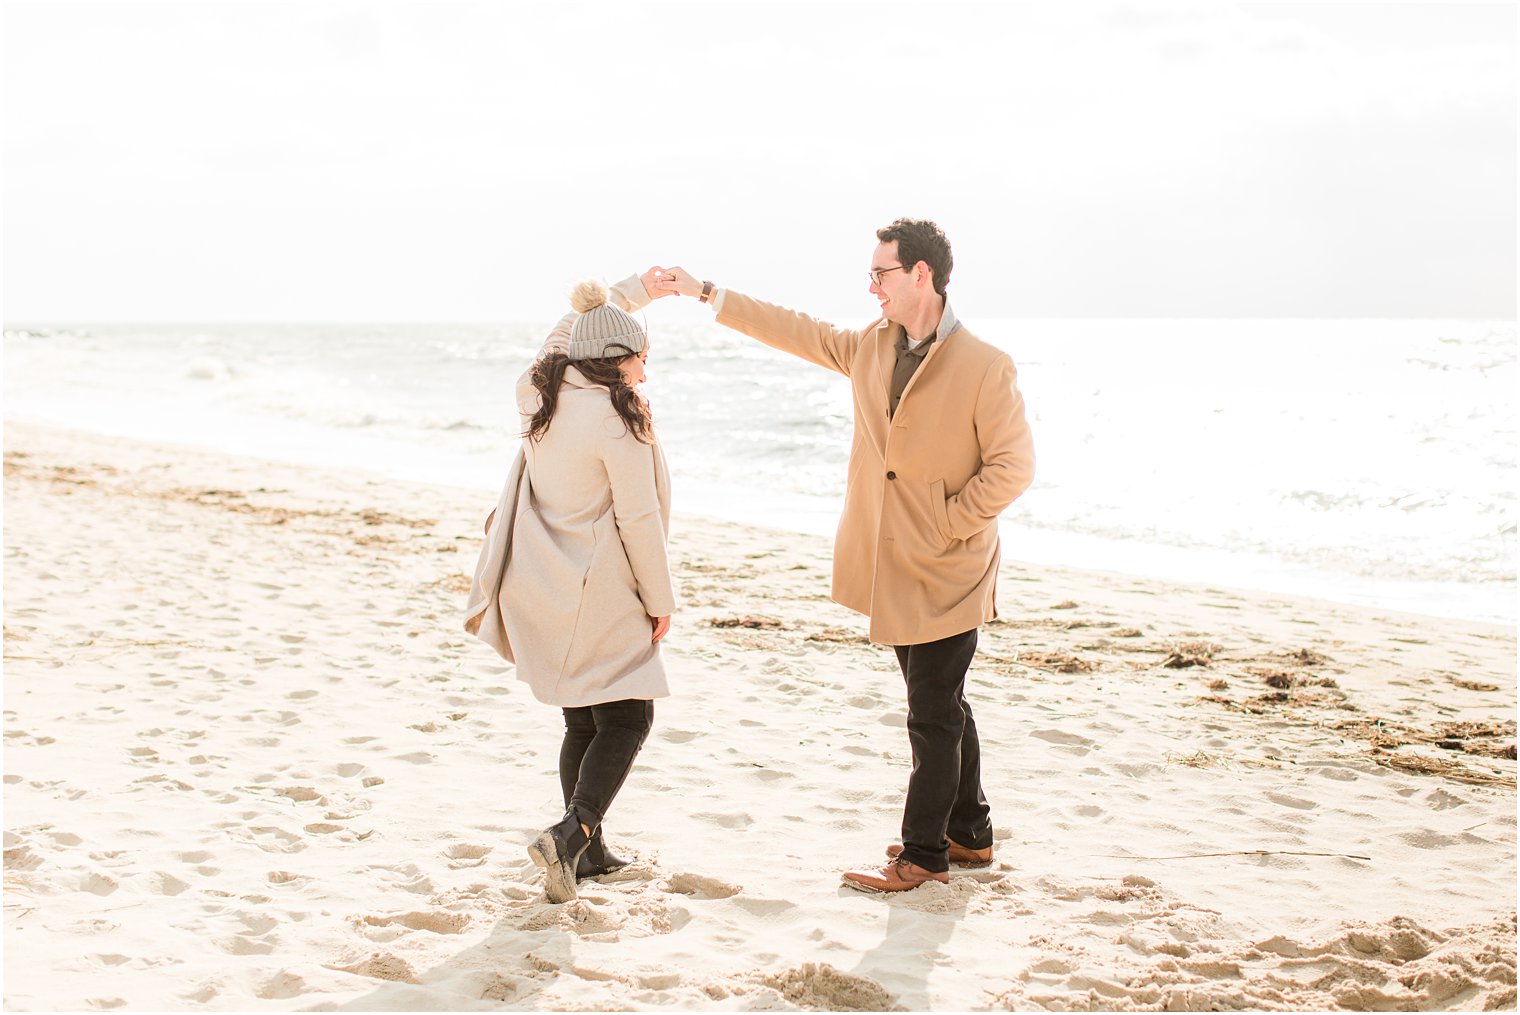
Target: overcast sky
{"x": 372, "y": 161}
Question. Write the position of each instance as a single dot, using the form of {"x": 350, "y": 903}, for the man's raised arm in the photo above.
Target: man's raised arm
{"x": 792, "y": 331}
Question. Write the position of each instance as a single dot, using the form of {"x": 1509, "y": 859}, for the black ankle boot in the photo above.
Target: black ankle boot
{"x": 598, "y": 860}
{"x": 558, "y": 851}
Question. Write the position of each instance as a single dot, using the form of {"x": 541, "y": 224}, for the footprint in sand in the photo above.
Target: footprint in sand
{"x": 380, "y": 966}
{"x": 246, "y": 944}
{"x": 497, "y": 987}
{"x": 769, "y": 774}
{"x": 97, "y": 884}
{"x": 1441, "y": 800}
{"x": 300, "y": 794}
{"x": 580, "y": 917}
{"x": 283, "y": 986}
{"x": 322, "y": 828}
{"x": 407, "y": 876}
{"x": 466, "y": 855}
{"x": 434, "y": 921}
{"x": 269, "y": 838}
{"x": 161, "y": 883}
{"x": 1063, "y": 739}
{"x": 18, "y": 854}
{"x": 1297, "y": 803}
{"x": 699, "y": 886}
{"x": 640, "y": 870}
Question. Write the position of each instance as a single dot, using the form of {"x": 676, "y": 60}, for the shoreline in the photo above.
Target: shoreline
{"x": 252, "y": 760}
{"x": 1249, "y": 574}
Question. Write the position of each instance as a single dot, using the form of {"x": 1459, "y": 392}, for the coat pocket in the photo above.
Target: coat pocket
{"x": 939, "y": 506}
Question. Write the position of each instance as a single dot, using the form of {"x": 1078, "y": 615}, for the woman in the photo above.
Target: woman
{"x": 575, "y": 586}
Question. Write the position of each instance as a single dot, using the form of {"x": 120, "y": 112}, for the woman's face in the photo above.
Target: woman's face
{"x": 633, "y": 367}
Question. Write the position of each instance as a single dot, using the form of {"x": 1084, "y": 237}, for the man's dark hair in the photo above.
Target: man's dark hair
{"x": 921, "y": 240}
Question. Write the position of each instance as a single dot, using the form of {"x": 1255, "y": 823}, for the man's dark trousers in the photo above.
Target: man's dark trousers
{"x": 945, "y": 789}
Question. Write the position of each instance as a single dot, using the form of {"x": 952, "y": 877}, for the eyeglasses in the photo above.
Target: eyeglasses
{"x": 875, "y": 274}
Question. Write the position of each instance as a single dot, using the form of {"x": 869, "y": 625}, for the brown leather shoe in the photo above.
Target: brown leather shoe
{"x": 897, "y": 876}
{"x": 959, "y": 856}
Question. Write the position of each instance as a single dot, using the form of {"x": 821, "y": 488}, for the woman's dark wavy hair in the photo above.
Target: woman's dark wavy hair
{"x": 549, "y": 373}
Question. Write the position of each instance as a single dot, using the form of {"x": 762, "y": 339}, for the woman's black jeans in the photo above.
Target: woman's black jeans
{"x": 600, "y": 744}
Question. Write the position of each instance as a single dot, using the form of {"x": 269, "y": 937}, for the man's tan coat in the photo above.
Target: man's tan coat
{"x": 917, "y": 546}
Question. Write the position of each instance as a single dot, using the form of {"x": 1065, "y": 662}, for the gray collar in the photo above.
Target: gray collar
{"x": 948, "y": 325}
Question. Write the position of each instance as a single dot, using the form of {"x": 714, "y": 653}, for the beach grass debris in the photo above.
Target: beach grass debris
{"x": 1395, "y": 746}
{"x": 457, "y": 582}
{"x": 1272, "y": 701}
{"x": 1473, "y": 685}
{"x": 1128, "y": 632}
{"x": 1421, "y": 764}
{"x": 1182, "y": 655}
{"x": 747, "y": 621}
{"x": 1242, "y": 852}
{"x": 1306, "y": 657}
{"x": 838, "y": 636}
{"x": 1197, "y": 759}
{"x": 1065, "y": 604}
{"x": 1060, "y": 662}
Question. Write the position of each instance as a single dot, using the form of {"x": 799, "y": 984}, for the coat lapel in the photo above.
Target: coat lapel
{"x": 928, "y": 358}
{"x": 948, "y": 326}
{"x": 874, "y": 401}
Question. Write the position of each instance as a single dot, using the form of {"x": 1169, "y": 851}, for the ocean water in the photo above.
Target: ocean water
{"x": 1364, "y": 461}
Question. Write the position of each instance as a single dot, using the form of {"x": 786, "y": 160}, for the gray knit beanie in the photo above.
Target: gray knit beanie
{"x": 602, "y": 329}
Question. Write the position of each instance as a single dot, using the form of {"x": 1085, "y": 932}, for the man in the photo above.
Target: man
{"x": 940, "y": 449}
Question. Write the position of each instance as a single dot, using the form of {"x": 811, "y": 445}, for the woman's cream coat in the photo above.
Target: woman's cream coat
{"x": 575, "y": 563}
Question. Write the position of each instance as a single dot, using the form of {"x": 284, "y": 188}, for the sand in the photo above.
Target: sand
{"x": 252, "y": 761}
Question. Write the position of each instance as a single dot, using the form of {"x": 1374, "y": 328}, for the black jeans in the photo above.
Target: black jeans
{"x": 945, "y": 789}
{"x": 600, "y": 744}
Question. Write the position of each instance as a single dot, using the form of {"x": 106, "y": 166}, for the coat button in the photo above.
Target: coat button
{"x": 891, "y": 475}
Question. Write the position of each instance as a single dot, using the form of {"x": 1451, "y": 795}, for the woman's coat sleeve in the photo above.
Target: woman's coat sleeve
{"x": 632, "y": 468}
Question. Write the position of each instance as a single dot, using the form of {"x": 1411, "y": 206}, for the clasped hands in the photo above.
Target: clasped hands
{"x": 660, "y": 282}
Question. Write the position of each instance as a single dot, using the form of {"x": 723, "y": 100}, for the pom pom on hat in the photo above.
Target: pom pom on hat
{"x": 588, "y": 295}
